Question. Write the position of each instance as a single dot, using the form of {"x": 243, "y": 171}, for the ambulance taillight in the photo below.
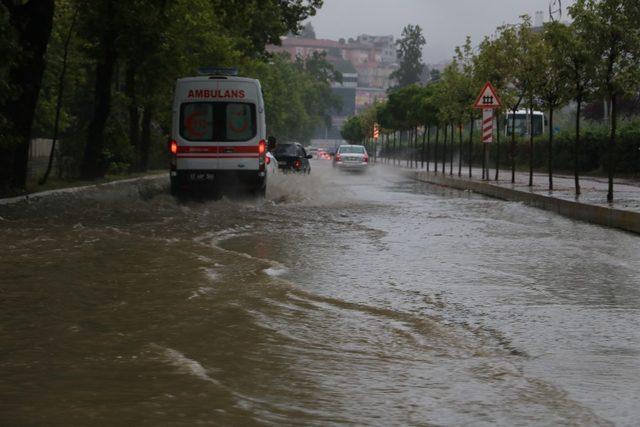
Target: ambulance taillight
{"x": 173, "y": 147}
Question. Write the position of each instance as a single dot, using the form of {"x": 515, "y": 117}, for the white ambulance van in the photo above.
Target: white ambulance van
{"x": 218, "y": 136}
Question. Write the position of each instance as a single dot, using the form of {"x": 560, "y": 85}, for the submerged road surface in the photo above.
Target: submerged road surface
{"x": 340, "y": 299}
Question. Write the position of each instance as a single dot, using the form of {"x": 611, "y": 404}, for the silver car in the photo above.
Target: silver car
{"x": 351, "y": 157}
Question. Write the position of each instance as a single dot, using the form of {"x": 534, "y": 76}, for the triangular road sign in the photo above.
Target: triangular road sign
{"x": 488, "y": 98}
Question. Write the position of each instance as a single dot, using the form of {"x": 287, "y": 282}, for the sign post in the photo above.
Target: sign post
{"x": 487, "y": 101}
{"x": 376, "y": 135}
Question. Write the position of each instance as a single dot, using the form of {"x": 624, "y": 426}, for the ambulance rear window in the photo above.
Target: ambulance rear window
{"x": 218, "y": 121}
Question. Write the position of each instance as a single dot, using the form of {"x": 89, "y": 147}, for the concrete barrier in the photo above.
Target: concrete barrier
{"x": 611, "y": 217}
{"x": 137, "y": 184}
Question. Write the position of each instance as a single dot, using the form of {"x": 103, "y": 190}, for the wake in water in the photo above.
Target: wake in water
{"x": 183, "y": 364}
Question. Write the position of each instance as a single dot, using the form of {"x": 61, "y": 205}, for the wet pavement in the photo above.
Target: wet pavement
{"x": 626, "y": 191}
{"x": 340, "y": 299}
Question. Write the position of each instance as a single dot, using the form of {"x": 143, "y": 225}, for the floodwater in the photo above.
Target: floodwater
{"x": 340, "y": 299}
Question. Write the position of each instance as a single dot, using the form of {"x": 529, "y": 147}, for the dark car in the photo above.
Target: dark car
{"x": 292, "y": 157}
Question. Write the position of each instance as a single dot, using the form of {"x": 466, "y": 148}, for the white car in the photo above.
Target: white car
{"x": 271, "y": 164}
{"x": 351, "y": 157}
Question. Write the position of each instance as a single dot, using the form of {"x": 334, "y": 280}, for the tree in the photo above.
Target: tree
{"x": 29, "y": 27}
{"x": 554, "y": 88}
{"x": 530, "y": 73}
{"x": 410, "y": 56}
{"x": 141, "y": 35}
{"x": 428, "y": 114}
{"x": 577, "y": 65}
{"x": 466, "y": 88}
{"x": 615, "y": 41}
{"x": 60, "y": 95}
{"x": 308, "y": 32}
{"x": 493, "y": 63}
{"x": 504, "y": 62}
{"x": 352, "y": 130}
{"x": 454, "y": 103}
{"x": 434, "y": 75}
{"x": 403, "y": 104}
{"x": 256, "y": 23}
{"x": 94, "y": 164}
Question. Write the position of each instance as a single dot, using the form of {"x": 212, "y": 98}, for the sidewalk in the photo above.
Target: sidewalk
{"x": 591, "y": 206}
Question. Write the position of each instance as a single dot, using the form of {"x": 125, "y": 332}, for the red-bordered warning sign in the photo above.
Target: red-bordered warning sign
{"x": 488, "y": 98}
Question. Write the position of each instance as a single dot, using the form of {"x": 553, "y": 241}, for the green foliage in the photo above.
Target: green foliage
{"x": 160, "y": 41}
{"x": 410, "y": 56}
{"x": 297, "y": 94}
{"x": 614, "y": 35}
{"x": 592, "y": 155}
{"x": 353, "y": 130}
{"x": 599, "y": 53}
{"x": 255, "y": 23}
{"x": 554, "y": 89}
{"x": 7, "y": 50}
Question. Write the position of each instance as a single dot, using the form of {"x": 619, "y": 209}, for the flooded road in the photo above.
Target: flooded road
{"x": 340, "y": 299}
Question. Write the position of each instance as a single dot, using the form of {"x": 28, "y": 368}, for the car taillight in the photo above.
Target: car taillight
{"x": 262, "y": 147}
{"x": 173, "y": 147}
{"x": 366, "y": 159}
{"x": 297, "y": 164}
{"x": 268, "y": 160}
{"x": 338, "y": 158}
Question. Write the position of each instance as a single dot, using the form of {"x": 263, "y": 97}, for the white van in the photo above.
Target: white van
{"x": 218, "y": 135}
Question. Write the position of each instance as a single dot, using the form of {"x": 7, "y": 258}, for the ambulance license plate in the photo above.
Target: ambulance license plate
{"x": 201, "y": 176}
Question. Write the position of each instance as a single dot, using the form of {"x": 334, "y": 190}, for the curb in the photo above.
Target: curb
{"x": 81, "y": 188}
{"x": 610, "y": 217}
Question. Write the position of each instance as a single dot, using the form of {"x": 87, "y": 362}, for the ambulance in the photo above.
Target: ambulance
{"x": 218, "y": 137}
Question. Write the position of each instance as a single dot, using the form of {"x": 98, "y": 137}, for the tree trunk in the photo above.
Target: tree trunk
{"x": 460, "y": 149}
{"x": 444, "y": 149}
{"x": 435, "y": 149}
{"x": 576, "y": 147}
{"x": 394, "y": 149}
{"x": 56, "y": 123}
{"x": 134, "y": 114}
{"x": 452, "y": 148}
{"x": 415, "y": 147}
{"x": 513, "y": 146}
{"x": 497, "y": 145}
{"x": 94, "y": 165}
{"x": 551, "y": 149}
{"x": 403, "y": 150}
{"x": 612, "y": 146}
{"x": 409, "y": 151}
{"x": 428, "y": 146}
{"x": 470, "y": 159}
{"x": 424, "y": 147}
{"x": 145, "y": 140}
{"x": 32, "y": 22}
{"x": 531, "y": 144}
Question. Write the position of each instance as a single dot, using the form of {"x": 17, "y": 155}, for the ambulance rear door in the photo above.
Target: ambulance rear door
{"x": 219, "y": 126}
{"x": 242, "y": 128}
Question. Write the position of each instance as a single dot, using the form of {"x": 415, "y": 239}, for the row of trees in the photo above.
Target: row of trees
{"x": 99, "y": 75}
{"x": 596, "y": 57}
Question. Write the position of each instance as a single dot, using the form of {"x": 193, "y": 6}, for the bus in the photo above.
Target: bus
{"x": 523, "y": 123}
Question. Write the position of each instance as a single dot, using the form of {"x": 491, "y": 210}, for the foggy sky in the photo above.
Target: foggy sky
{"x": 445, "y": 23}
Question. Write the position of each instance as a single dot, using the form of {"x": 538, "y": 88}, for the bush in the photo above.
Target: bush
{"x": 593, "y": 150}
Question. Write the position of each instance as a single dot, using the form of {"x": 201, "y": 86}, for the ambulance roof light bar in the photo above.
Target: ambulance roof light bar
{"x": 217, "y": 71}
